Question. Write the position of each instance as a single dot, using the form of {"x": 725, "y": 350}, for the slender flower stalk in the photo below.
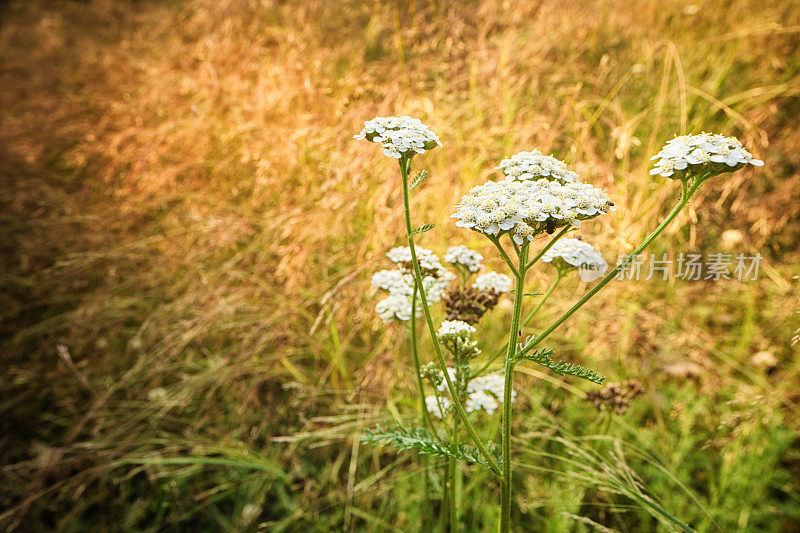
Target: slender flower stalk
{"x": 505, "y": 511}
{"x": 405, "y": 167}
{"x": 415, "y": 355}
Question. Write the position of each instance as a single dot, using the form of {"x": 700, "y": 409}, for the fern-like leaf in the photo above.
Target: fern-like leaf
{"x": 562, "y": 368}
{"x": 421, "y": 175}
{"x": 422, "y": 229}
{"x": 424, "y": 442}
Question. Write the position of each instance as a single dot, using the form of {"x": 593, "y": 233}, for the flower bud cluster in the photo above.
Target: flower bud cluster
{"x": 575, "y": 253}
{"x": 400, "y": 136}
{"x": 456, "y": 336}
{"x": 706, "y": 153}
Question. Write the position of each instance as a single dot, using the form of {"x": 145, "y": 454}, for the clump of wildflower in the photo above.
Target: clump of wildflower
{"x": 463, "y": 256}
{"x": 525, "y": 209}
{"x": 575, "y": 253}
{"x": 437, "y": 406}
{"x": 615, "y": 396}
{"x": 704, "y": 154}
{"x": 493, "y": 282}
{"x": 534, "y": 165}
{"x": 399, "y": 136}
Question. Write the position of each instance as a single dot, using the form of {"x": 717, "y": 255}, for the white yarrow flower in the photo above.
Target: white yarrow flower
{"x": 524, "y": 209}
{"x": 461, "y": 255}
{"x": 534, "y": 165}
{"x": 434, "y": 408}
{"x": 579, "y": 254}
{"x": 394, "y": 307}
{"x": 399, "y": 283}
{"x": 493, "y": 282}
{"x": 455, "y": 329}
{"x": 491, "y": 383}
{"x": 483, "y": 393}
{"x": 700, "y": 154}
{"x": 399, "y": 136}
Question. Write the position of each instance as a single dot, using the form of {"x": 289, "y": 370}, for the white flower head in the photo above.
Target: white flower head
{"x": 579, "y": 254}
{"x": 455, "y": 329}
{"x": 493, "y": 282}
{"x": 524, "y": 209}
{"x": 432, "y": 404}
{"x": 482, "y": 393}
{"x": 486, "y": 392}
{"x": 399, "y": 136}
{"x": 394, "y": 281}
{"x": 480, "y": 400}
{"x": 394, "y": 307}
{"x": 399, "y": 283}
{"x": 428, "y": 261}
{"x": 534, "y": 165}
{"x": 706, "y": 153}
{"x": 461, "y": 255}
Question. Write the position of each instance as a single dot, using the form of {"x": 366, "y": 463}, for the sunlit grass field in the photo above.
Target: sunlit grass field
{"x": 188, "y": 231}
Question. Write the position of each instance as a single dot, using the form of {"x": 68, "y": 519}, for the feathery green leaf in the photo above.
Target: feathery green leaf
{"x": 421, "y": 175}
{"x": 424, "y": 442}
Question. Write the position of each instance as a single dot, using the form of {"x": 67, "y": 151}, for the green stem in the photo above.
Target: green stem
{"x": 686, "y": 194}
{"x": 505, "y": 499}
{"x": 405, "y": 165}
{"x": 425, "y": 415}
{"x": 503, "y": 254}
{"x": 452, "y": 475}
{"x": 417, "y": 368}
{"x": 525, "y": 322}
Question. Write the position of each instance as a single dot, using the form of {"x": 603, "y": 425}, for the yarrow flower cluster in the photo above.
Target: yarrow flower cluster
{"x": 463, "y": 256}
{"x": 433, "y": 407}
{"x": 482, "y": 393}
{"x": 428, "y": 261}
{"x": 524, "y": 209}
{"x": 534, "y": 165}
{"x": 493, "y": 282}
{"x": 699, "y": 154}
{"x": 456, "y": 336}
{"x": 399, "y": 282}
{"x": 455, "y": 329}
{"x": 395, "y": 307}
{"x": 399, "y": 136}
{"x": 576, "y": 253}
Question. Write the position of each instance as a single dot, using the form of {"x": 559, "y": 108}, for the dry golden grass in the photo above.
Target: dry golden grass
{"x": 184, "y": 209}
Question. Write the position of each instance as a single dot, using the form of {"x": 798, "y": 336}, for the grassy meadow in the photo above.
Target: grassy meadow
{"x": 188, "y": 231}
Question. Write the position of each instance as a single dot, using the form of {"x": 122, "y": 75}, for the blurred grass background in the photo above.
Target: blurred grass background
{"x": 188, "y": 230}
